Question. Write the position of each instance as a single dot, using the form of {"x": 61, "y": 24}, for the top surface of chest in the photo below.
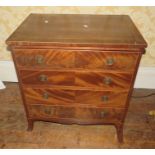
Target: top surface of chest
{"x": 107, "y": 30}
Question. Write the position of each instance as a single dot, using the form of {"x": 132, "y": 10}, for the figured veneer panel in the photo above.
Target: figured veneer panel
{"x": 44, "y": 111}
{"x": 98, "y": 79}
{"x": 80, "y": 79}
{"x": 108, "y": 114}
{"x": 61, "y": 59}
{"x": 83, "y": 114}
{"x": 47, "y": 77}
{"x": 101, "y": 60}
{"x": 44, "y": 58}
{"x": 101, "y": 98}
{"x": 83, "y": 98}
{"x": 49, "y": 96}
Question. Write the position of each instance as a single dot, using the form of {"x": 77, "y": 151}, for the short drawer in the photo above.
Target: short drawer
{"x": 106, "y": 60}
{"x": 89, "y": 114}
{"x": 104, "y": 80}
{"x": 49, "y": 96}
{"x": 44, "y": 111}
{"x": 38, "y": 77}
{"x": 75, "y": 97}
{"x": 101, "y": 98}
{"x": 44, "y": 58}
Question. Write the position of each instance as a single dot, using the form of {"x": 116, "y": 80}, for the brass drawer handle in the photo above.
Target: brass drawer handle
{"x": 104, "y": 114}
{"x": 43, "y": 78}
{"x": 45, "y": 95}
{"x": 152, "y": 113}
{"x": 107, "y": 80}
{"x": 48, "y": 111}
{"x": 39, "y": 59}
{"x": 104, "y": 98}
{"x": 110, "y": 61}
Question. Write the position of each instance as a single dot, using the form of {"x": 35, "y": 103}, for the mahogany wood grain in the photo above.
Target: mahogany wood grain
{"x": 82, "y": 47}
{"x": 53, "y": 96}
{"x": 55, "y": 59}
{"x": 79, "y": 98}
{"x": 51, "y": 78}
{"x": 107, "y": 30}
{"x": 118, "y": 81}
{"x": 83, "y": 79}
{"x": 50, "y": 58}
{"x": 72, "y": 58}
{"x": 102, "y": 98}
{"x": 122, "y": 61}
{"x": 103, "y": 114}
{"x": 30, "y": 121}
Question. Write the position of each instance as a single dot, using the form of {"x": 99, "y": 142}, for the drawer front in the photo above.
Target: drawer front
{"x": 44, "y": 111}
{"x": 75, "y": 97}
{"x": 104, "y": 114}
{"x": 59, "y": 59}
{"x": 106, "y": 60}
{"x": 47, "y": 77}
{"x": 104, "y": 80}
{"x": 40, "y": 58}
{"x": 101, "y": 98}
{"x": 49, "y": 96}
{"x": 80, "y": 79}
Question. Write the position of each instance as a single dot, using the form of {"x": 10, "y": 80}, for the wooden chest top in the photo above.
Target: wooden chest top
{"x": 84, "y": 30}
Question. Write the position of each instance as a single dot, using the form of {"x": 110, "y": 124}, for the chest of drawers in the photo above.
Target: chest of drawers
{"x": 77, "y": 69}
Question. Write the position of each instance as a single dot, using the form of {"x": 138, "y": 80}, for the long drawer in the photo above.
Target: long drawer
{"x": 81, "y": 79}
{"x": 58, "y": 112}
{"x": 82, "y": 98}
{"x": 63, "y": 59}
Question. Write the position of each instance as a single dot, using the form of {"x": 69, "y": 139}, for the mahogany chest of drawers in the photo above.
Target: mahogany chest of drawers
{"x": 77, "y": 69}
